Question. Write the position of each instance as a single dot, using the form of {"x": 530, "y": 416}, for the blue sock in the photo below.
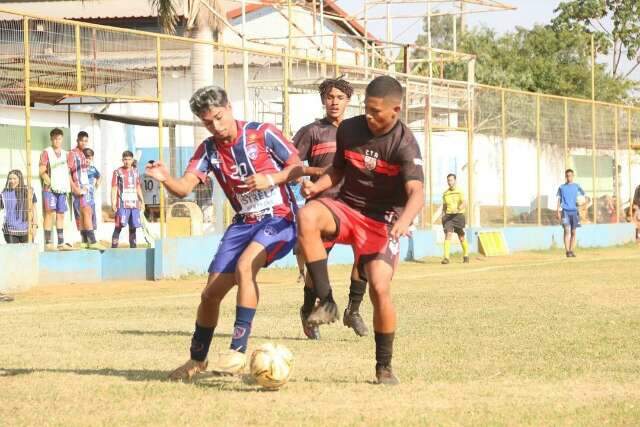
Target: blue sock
{"x": 200, "y": 343}
{"x": 242, "y": 328}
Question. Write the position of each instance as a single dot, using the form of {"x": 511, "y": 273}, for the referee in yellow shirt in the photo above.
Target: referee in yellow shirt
{"x": 453, "y": 218}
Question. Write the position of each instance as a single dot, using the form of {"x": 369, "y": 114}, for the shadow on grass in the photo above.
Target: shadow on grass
{"x": 188, "y": 334}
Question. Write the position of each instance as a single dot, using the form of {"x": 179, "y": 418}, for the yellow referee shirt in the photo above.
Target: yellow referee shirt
{"x": 453, "y": 199}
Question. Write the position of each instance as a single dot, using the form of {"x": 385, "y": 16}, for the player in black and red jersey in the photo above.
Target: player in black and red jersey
{"x": 316, "y": 144}
{"x": 379, "y": 159}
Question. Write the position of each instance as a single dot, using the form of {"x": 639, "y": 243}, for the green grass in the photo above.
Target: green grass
{"x": 528, "y": 339}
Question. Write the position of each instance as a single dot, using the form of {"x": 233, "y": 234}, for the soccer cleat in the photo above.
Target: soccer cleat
{"x": 311, "y": 331}
{"x": 465, "y": 260}
{"x": 65, "y": 247}
{"x": 5, "y": 298}
{"x": 324, "y": 313}
{"x": 96, "y": 246}
{"x": 229, "y": 362}
{"x": 385, "y": 375}
{"x": 572, "y": 254}
{"x": 353, "y": 320}
{"x": 568, "y": 253}
{"x": 445, "y": 261}
{"x": 189, "y": 370}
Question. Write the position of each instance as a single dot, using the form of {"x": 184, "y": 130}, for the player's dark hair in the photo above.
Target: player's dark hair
{"x": 55, "y": 132}
{"x": 384, "y": 87}
{"x": 88, "y": 152}
{"x": 342, "y": 85}
{"x": 206, "y": 98}
{"x": 453, "y": 175}
{"x": 569, "y": 170}
{"x": 82, "y": 134}
{"x": 127, "y": 153}
{"x": 22, "y": 195}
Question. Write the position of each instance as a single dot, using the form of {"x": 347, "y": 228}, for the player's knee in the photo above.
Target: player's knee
{"x": 307, "y": 220}
{"x": 244, "y": 269}
{"x": 379, "y": 292}
{"x": 210, "y": 297}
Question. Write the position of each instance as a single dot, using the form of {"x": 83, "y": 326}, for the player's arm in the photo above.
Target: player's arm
{"x": 415, "y": 192}
{"x": 558, "y": 213}
{"x": 98, "y": 179}
{"x": 46, "y": 179}
{"x": 140, "y": 195}
{"x": 332, "y": 177}
{"x": 462, "y": 205}
{"x": 179, "y": 187}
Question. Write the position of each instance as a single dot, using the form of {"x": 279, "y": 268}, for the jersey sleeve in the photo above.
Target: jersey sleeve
{"x": 580, "y": 190}
{"x": 338, "y": 159}
{"x": 44, "y": 158}
{"x": 410, "y": 159}
{"x": 96, "y": 172}
{"x": 200, "y": 163}
{"x": 302, "y": 140}
{"x": 279, "y": 147}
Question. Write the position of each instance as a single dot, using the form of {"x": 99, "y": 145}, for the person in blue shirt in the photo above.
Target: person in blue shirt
{"x": 94, "y": 181}
{"x": 567, "y": 211}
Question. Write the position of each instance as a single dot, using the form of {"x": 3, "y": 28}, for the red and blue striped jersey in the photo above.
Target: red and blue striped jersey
{"x": 126, "y": 182}
{"x": 258, "y": 148}
{"x": 78, "y": 167}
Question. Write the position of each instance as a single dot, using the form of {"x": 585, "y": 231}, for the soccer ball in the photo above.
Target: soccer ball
{"x": 271, "y": 365}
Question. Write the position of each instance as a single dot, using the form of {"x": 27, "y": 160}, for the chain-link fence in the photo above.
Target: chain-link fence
{"x": 509, "y": 149}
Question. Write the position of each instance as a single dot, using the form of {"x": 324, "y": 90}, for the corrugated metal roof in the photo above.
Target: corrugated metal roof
{"x": 89, "y": 9}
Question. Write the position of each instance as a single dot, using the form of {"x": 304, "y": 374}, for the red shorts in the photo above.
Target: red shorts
{"x": 368, "y": 238}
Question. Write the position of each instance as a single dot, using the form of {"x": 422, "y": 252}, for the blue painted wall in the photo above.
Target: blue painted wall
{"x": 127, "y": 264}
{"x": 70, "y": 266}
{"x": 176, "y": 257}
{"x": 19, "y": 265}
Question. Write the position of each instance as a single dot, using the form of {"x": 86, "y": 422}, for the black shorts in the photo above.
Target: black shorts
{"x": 454, "y": 223}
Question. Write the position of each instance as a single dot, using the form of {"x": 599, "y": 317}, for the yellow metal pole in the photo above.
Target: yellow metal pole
{"x": 538, "y": 155}
{"x": 287, "y": 64}
{"x": 593, "y": 130}
{"x": 27, "y": 123}
{"x": 631, "y": 192}
{"x": 616, "y": 160}
{"x": 470, "y": 154}
{"x": 226, "y": 69}
{"x": 429, "y": 162}
{"x": 504, "y": 158}
{"x": 160, "y": 133}
{"x": 78, "y": 59}
{"x": 566, "y": 134}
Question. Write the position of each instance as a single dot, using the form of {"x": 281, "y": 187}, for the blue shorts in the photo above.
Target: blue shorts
{"x": 276, "y": 234}
{"x": 54, "y": 201}
{"x": 128, "y": 217}
{"x": 81, "y": 202}
{"x": 570, "y": 219}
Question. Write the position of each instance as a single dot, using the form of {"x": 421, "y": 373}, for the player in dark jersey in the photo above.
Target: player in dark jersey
{"x": 316, "y": 144}
{"x": 252, "y": 163}
{"x": 379, "y": 159}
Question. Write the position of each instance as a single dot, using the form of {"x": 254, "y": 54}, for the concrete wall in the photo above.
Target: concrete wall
{"x": 22, "y": 266}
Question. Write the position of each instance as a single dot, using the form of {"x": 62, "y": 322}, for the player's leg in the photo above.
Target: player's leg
{"x": 357, "y": 289}
{"x": 309, "y": 301}
{"x": 447, "y": 244}
{"x": 300, "y": 262}
{"x": 315, "y": 220}
{"x": 572, "y": 246}
{"x": 121, "y": 219}
{"x": 218, "y": 285}
{"x": 86, "y": 213}
{"x": 61, "y": 208}
{"x": 48, "y": 206}
{"x": 464, "y": 244}
{"x": 134, "y": 224}
{"x": 566, "y": 227}
{"x": 380, "y": 272}
{"x": 77, "y": 215}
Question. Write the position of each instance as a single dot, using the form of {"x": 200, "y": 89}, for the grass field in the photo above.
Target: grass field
{"x": 530, "y": 339}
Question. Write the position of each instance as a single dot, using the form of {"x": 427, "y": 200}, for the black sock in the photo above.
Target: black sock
{"x": 356, "y": 293}
{"x": 60, "y": 232}
{"x": 200, "y": 343}
{"x": 384, "y": 348}
{"x": 309, "y": 300}
{"x": 132, "y": 237}
{"x": 91, "y": 236}
{"x": 115, "y": 237}
{"x": 83, "y": 235}
{"x": 47, "y": 236}
{"x": 319, "y": 273}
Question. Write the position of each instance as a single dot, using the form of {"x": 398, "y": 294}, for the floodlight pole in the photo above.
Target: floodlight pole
{"x": 160, "y": 134}
{"x": 27, "y": 124}
{"x": 593, "y": 131}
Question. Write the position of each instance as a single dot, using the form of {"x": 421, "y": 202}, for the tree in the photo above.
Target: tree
{"x": 202, "y": 24}
{"x": 614, "y": 24}
{"x": 542, "y": 59}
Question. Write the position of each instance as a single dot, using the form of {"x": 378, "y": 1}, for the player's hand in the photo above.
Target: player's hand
{"x": 46, "y": 180}
{"x": 308, "y": 190}
{"x": 399, "y": 229}
{"x": 157, "y": 170}
{"x": 114, "y": 209}
{"x": 255, "y": 182}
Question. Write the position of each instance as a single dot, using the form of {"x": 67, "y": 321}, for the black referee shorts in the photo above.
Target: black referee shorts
{"x": 454, "y": 223}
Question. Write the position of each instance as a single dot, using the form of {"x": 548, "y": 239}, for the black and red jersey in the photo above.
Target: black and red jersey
{"x": 316, "y": 144}
{"x": 376, "y": 167}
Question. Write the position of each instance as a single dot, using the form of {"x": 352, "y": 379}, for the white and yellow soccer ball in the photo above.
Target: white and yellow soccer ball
{"x": 271, "y": 365}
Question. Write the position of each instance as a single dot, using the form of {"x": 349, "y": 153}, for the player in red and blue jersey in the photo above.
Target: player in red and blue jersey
{"x": 126, "y": 200}
{"x": 252, "y": 162}
{"x": 82, "y": 196}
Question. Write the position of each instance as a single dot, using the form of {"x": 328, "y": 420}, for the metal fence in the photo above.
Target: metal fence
{"x": 509, "y": 148}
